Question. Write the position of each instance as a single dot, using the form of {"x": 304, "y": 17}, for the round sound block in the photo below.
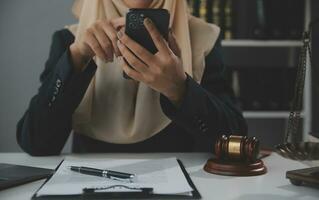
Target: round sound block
{"x": 221, "y": 167}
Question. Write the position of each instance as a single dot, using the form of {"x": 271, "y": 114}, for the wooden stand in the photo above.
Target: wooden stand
{"x": 233, "y": 168}
{"x": 307, "y": 176}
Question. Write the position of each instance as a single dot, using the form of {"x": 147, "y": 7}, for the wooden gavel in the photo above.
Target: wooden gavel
{"x": 237, "y": 148}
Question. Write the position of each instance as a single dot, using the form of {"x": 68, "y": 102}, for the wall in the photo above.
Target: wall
{"x": 26, "y": 28}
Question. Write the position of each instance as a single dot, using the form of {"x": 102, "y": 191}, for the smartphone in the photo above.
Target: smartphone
{"x": 135, "y": 29}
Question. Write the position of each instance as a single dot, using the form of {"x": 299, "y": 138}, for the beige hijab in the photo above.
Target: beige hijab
{"x": 122, "y": 111}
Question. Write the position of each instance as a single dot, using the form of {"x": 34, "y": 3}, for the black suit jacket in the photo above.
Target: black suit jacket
{"x": 207, "y": 111}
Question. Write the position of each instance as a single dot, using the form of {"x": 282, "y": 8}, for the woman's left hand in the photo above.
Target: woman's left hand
{"x": 163, "y": 71}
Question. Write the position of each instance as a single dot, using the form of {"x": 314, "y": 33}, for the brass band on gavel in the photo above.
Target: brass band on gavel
{"x": 237, "y": 148}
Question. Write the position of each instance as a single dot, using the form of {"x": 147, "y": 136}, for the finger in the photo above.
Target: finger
{"x": 122, "y": 29}
{"x": 173, "y": 44}
{"x": 131, "y": 72}
{"x": 104, "y": 42}
{"x": 138, "y": 50}
{"x": 111, "y": 33}
{"x": 157, "y": 38}
{"x": 136, "y": 63}
{"x": 96, "y": 48}
{"x": 118, "y": 23}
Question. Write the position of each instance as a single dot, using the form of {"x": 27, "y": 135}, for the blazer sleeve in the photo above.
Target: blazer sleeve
{"x": 46, "y": 125}
{"x": 208, "y": 109}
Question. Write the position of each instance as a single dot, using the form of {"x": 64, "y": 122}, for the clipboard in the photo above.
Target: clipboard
{"x": 145, "y": 193}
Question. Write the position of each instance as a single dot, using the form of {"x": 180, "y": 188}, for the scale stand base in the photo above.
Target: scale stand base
{"x": 307, "y": 176}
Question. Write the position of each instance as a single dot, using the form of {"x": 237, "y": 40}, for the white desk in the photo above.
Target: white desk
{"x": 271, "y": 186}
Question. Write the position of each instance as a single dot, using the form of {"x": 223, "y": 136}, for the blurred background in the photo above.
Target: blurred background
{"x": 25, "y": 37}
{"x": 261, "y": 39}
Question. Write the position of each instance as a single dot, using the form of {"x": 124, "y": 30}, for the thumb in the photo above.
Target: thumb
{"x": 173, "y": 44}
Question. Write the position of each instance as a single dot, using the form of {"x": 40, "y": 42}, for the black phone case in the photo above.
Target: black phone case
{"x": 135, "y": 27}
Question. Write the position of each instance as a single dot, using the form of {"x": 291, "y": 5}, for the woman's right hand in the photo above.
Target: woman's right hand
{"x": 99, "y": 40}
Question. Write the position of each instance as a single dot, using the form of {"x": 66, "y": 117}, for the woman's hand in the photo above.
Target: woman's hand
{"x": 99, "y": 40}
{"x": 163, "y": 71}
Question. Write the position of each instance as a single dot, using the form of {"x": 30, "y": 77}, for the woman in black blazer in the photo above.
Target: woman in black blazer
{"x": 197, "y": 103}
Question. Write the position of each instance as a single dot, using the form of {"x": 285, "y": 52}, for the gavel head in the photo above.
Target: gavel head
{"x": 237, "y": 148}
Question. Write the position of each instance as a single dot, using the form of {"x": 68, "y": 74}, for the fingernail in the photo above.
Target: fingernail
{"x": 119, "y": 34}
{"x": 148, "y": 21}
{"x": 119, "y": 43}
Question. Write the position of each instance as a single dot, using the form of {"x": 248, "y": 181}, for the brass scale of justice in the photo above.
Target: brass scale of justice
{"x": 238, "y": 155}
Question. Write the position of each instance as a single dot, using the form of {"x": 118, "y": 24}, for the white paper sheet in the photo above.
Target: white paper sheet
{"x": 163, "y": 175}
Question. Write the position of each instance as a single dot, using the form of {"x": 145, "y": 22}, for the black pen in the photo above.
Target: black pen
{"x": 104, "y": 173}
